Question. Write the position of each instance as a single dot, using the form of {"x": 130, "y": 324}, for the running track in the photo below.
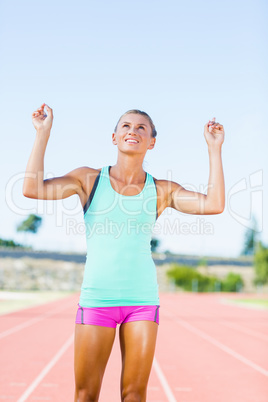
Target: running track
{"x": 206, "y": 351}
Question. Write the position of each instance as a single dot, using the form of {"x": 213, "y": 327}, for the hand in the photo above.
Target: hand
{"x": 214, "y": 133}
{"x": 41, "y": 120}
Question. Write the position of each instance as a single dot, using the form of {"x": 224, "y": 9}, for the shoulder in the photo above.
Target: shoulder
{"x": 165, "y": 189}
{"x": 166, "y": 186}
{"x": 86, "y": 175}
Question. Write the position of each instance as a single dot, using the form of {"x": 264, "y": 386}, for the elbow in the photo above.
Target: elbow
{"x": 27, "y": 193}
{"x": 220, "y": 209}
{"x": 30, "y": 189}
{"x": 216, "y": 209}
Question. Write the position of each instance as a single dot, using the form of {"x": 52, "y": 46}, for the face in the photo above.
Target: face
{"x": 133, "y": 134}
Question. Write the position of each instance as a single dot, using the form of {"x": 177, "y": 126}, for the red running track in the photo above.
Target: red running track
{"x": 206, "y": 351}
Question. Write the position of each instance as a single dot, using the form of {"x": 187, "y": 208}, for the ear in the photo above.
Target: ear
{"x": 114, "y": 139}
{"x": 152, "y": 144}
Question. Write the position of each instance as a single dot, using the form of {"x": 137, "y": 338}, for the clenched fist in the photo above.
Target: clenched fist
{"x": 214, "y": 133}
{"x": 41, "y": 120}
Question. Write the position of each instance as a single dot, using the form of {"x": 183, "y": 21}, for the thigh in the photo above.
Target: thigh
{"x": 137, "y": 343}
{"x": 92, "y": 348}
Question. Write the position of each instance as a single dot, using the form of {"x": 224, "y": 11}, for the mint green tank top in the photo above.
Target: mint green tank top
{"x": 119, "y": 268}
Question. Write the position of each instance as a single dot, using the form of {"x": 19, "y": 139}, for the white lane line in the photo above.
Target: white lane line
{"x": 163, "y": 381}
{"x": 245, "y": 330}
{"x": 46, "y": 369}
{"x": 221, "y": 346}
{"x": 21, "y": 326}
{"x": 31, "y": 322}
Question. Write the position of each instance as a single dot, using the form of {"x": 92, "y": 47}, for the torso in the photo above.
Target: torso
{"x": 125, "y": 274}
{"x": 88, "y": 175}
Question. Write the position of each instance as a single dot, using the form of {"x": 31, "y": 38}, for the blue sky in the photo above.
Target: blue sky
{"x": 181, "y": 62}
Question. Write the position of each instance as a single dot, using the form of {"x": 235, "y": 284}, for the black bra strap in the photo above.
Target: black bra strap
{"x": 90, "y": 198}
{"x": 156, "y": 199}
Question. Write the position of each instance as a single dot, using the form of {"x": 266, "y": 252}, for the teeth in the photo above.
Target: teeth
{"x": 135, "y": 142}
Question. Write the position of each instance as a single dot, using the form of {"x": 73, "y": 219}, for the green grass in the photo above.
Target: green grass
{"x": 255, "y": 302}
{"x": 13, "y": 301}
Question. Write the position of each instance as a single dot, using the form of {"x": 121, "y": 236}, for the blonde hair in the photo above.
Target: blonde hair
{"x": 137, "y": 111}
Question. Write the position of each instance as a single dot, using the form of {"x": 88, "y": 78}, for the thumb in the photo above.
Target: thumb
{"x": 49, "y": 110}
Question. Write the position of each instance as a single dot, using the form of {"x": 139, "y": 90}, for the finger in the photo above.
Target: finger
{"x": 215, "y": 125}
{"x": 41, "y": 108}
{"x": 218, "y": 126}
{"x": 49, "y": 110}
{"x": 38, "y": 112}
{"x": 208, "y": 127}
{"x": 217, "y": 131}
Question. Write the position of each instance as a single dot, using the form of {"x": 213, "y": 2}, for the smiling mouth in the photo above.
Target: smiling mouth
{"x": 130, "y": 141}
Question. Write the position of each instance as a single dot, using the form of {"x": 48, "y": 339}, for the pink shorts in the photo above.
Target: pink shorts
{"x": 111, "y": 316}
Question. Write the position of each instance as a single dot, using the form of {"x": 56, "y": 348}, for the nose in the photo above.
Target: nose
{"x": 132, "y": 130}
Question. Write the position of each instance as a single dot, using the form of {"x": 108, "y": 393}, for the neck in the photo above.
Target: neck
{"x": 128, "y": 169}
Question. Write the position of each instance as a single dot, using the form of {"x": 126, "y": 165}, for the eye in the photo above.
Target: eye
{"x": 126, "y": 125}
{"x": 141, "y": 127}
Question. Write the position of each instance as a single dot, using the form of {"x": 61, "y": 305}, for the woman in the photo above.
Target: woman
{"x": 121, "y": 204}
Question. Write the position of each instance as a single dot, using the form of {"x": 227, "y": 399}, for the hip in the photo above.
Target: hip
{"x": 111, "y": 316}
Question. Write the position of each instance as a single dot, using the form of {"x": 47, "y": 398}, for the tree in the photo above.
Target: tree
{"x": 250, "y": 238}
{"x": 9, "y": 243}
{"x": 154, "y": 244}
{"x": 30, "y": 225}
{"x": 261, "y": 264}
{"x": 168, "y": 252}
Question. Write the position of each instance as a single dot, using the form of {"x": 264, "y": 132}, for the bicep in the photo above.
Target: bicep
{"x": 189, "y": 202}
{"x": 61, "y": 187}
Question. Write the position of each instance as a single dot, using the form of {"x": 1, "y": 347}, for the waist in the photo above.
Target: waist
{"x": 118, "y": 228}
{"x": 104, "y": 297}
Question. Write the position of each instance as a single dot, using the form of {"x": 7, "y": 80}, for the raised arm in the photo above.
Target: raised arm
{"x": 34, "y": 185}
{"x": 192, "y": 202}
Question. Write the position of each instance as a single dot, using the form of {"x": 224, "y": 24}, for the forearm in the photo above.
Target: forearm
{"x": 34, "y": 174}
{"x": 216, "y": 188}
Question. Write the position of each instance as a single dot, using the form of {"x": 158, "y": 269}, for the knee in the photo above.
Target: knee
{"x": 132, "y": 396}
{"x": 84, "y": 395}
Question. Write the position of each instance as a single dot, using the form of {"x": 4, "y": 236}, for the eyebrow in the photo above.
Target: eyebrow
{"x": 139, "y": 124}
